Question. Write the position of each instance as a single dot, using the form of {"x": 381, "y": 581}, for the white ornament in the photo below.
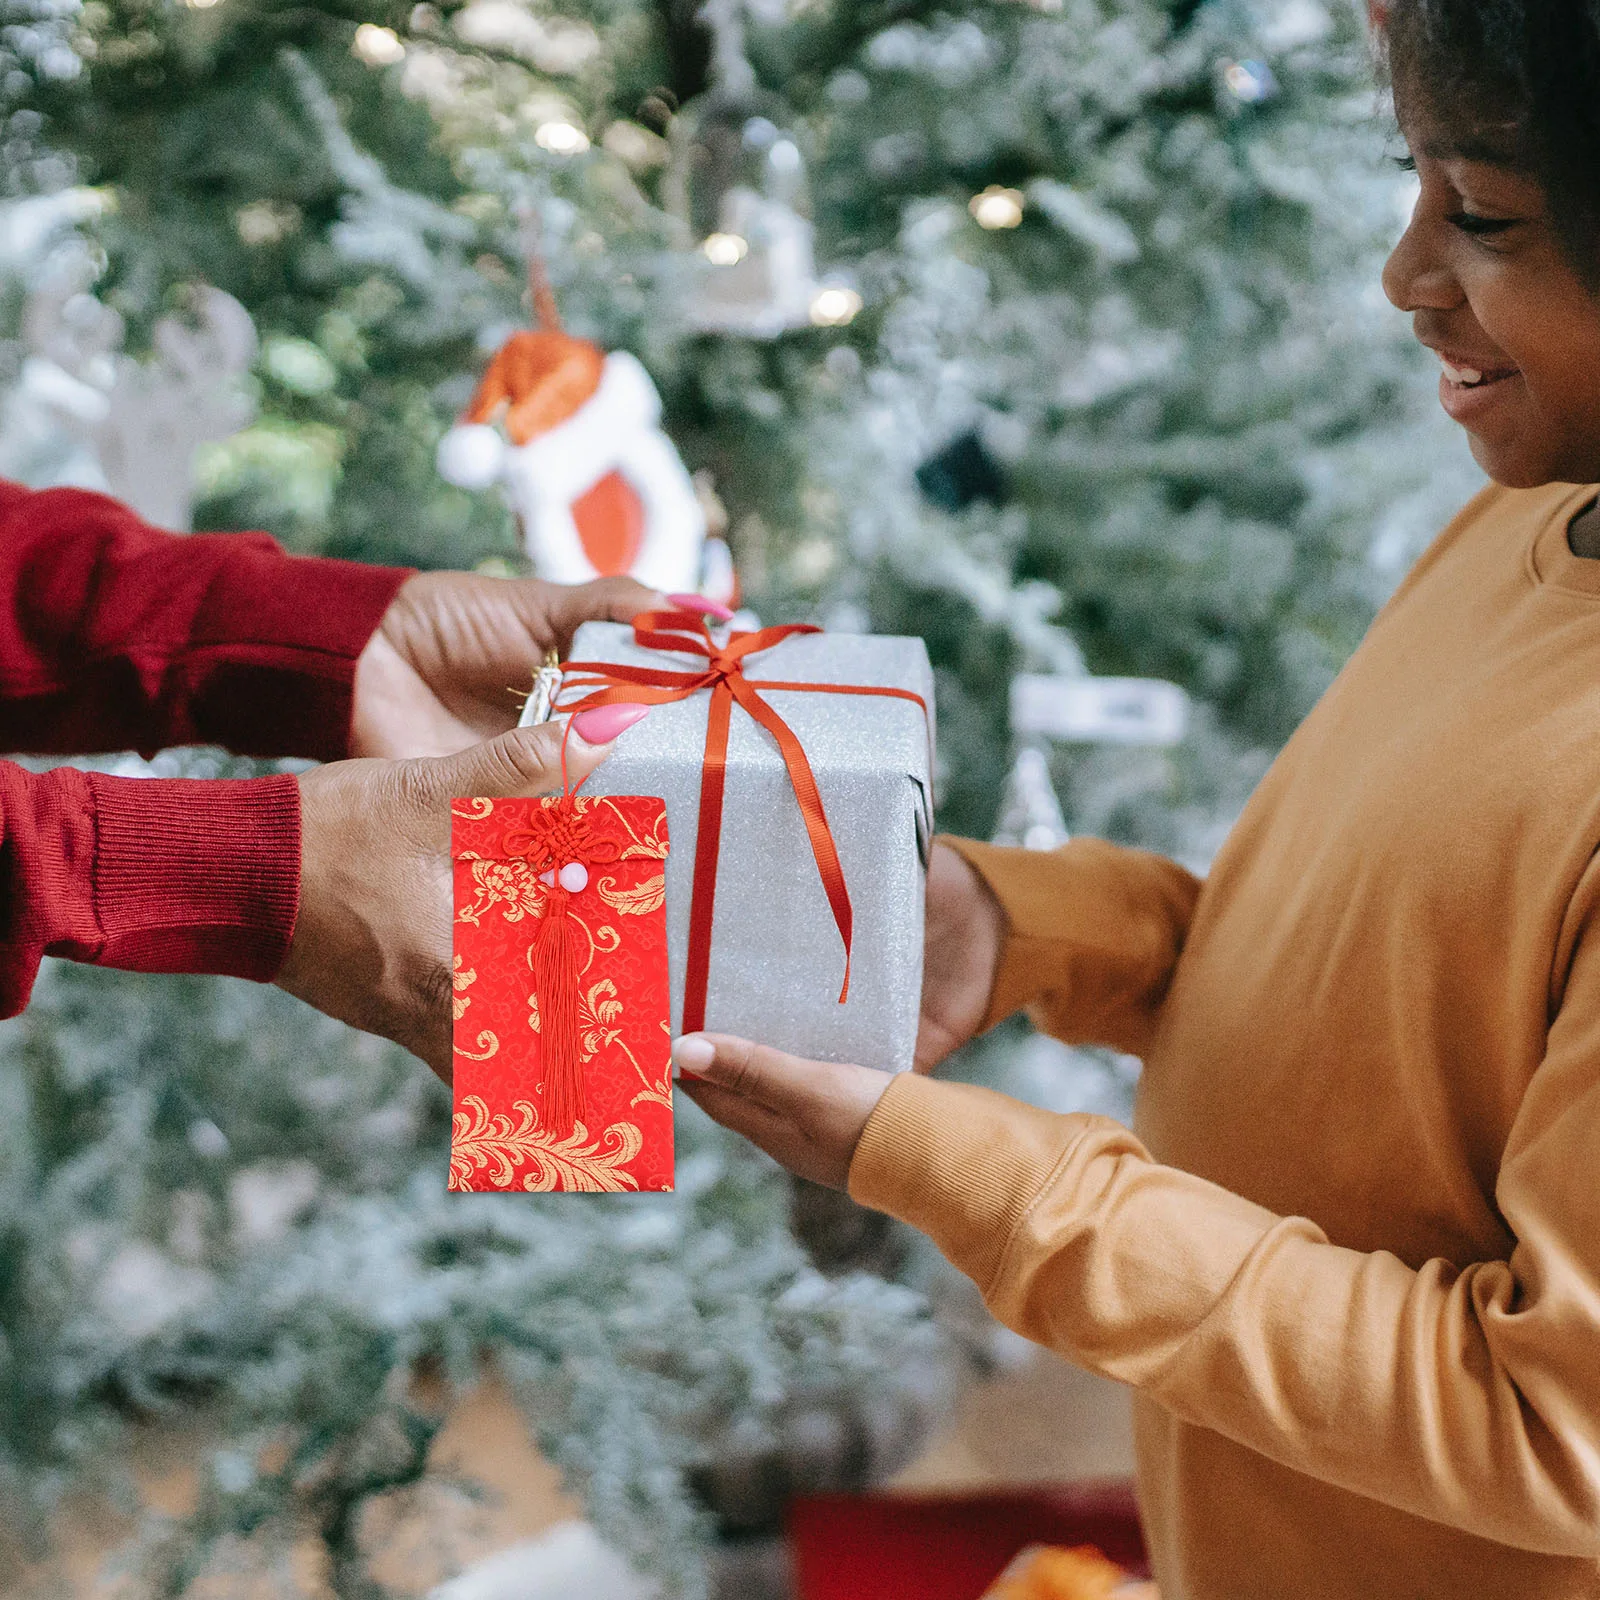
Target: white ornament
{"x": 739, "y": 185}
{"x": 757, "y": 274}
{"x": 574, "y": 437}
{"x": 162, "y": 410}
{"x": 615, "y": 431}
{"x": 136, "y": 425}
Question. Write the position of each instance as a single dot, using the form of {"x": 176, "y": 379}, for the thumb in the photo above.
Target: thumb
{"x": 523, "y": 761}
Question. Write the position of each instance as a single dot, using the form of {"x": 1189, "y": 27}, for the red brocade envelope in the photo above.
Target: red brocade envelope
{"x": 562, "y": 1033}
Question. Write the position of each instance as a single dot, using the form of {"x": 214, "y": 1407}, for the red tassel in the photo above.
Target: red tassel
{"x": 555, "y": 981}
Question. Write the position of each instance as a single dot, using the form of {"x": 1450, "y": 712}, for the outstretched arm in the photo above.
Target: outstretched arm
{"x": 115, "y": 635}
{"x": 1090, "y": 934}
{"x": 1468, "y": 1394}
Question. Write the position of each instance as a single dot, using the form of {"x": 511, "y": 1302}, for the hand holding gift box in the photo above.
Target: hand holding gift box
{"x": 769, "y": 914}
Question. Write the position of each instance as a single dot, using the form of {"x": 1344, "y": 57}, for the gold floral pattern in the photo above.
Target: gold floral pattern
{"x": 486, "y": 1142}
{"x": 597, "y": 1011}
{"x": 660, "y": 1092}
{"x": 637, "y": 902}
{"x": 647, "y": 843}
{"x": 488, "y": 1045}
{"x": 512, "y": 884}
{"x": 474, "y": 810}
{"x": 460, "y": 980}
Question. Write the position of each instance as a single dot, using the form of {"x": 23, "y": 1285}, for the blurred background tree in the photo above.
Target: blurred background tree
{"x": 1049, "y": 331}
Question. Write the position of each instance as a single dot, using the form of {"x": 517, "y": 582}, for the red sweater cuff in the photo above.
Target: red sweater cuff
{"x": 195, "y": 875}
{"x": 271, "y": 660}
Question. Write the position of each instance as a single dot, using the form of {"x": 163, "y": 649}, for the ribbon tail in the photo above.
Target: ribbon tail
{"x": 812, "y": 812}
{"x": 708, "y": 847}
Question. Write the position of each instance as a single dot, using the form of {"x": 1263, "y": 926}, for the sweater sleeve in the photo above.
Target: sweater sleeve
{"x": 116, "y": 636}
{"x": 147, "y": 874}
{"x": 1466, "y": 1394}
{"x": 1093, "y": 932}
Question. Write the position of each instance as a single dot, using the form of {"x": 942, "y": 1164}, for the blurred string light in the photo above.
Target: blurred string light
{"x": 997, "y": 207}
{"x": 378, "y": 47}
{"x": 561, "y": 138}
{"x": 200, "y": 5}
{"x": 725, "y": 249}
{"x": 1249, "y": 82}
{"x": 265, "y": 222}
{"x": 835, "y": 306}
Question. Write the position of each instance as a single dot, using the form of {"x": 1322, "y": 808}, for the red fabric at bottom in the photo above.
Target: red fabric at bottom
{"x": 948, "y": 1547}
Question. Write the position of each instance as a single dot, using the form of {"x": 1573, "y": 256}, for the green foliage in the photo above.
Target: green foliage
{"x": 217, "y": 1201}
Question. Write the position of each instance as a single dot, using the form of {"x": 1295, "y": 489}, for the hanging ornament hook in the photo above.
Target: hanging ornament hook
{"x": 546, "y": 313}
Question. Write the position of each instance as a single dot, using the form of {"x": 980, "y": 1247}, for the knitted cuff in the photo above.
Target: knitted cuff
{"x": 195, "y": 875}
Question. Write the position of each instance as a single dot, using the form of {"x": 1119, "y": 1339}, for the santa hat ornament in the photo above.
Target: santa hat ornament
{"x": 574, "y": 435}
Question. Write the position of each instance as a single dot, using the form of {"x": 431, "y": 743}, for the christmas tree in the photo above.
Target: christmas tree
{"x": 1048, "y": 331}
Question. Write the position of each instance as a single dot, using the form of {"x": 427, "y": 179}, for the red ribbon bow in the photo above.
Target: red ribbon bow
{"x": 686, "y": 633}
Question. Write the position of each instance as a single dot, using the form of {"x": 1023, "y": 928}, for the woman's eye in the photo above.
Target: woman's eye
{"x": 1481, "y": 227}
{"x": 1406, "y": 163}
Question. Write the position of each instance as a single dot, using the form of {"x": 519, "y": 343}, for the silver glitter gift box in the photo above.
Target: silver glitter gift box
{"x": 777, "y": 960}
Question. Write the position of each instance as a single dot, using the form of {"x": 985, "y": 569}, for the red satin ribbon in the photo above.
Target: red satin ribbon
{"x": 686, "y": 633}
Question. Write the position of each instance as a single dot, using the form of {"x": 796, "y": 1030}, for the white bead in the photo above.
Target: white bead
{"x": 574, "y": 877}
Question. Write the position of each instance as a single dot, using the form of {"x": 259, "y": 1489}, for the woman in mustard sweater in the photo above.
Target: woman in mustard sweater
{"x": 1350, "y": 1260}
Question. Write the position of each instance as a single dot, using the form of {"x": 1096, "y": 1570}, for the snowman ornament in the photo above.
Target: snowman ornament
{"x": 573, "y": 435}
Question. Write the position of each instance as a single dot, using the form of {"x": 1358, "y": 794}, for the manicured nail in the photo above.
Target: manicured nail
{"x": 698, "y": 602}
{"x": 605, "y": 723}
{"x": 691, "y": 1055}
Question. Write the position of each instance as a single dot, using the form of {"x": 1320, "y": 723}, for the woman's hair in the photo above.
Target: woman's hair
{"x": 1513, "y": 81}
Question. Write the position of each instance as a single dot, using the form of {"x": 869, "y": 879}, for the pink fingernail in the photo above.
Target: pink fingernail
{"x": 605, "y": 723}
{"x": 698, "y": 602}
{"x": 691, "y": 1055}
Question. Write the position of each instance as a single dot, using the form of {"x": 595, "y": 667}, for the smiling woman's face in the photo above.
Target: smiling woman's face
{"x": 1490, "y": 288}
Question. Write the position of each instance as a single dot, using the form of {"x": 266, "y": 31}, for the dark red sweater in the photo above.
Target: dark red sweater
{"x": 116, "y": 636}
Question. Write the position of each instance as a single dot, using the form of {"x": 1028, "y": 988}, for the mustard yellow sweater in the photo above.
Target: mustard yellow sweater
{"x": 1351, "y": 1261}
